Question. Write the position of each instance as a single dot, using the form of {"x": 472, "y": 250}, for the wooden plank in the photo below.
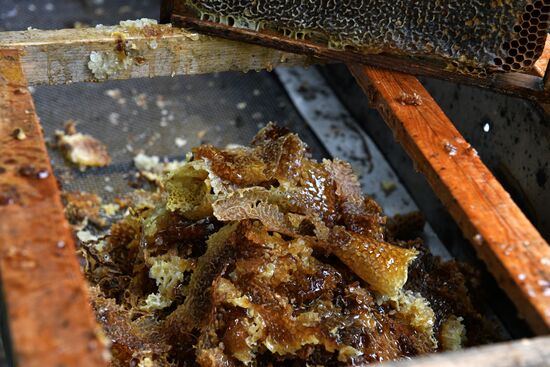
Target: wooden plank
{"x": 540, "y": 65}
{"x": 523, "y": 85}
{"x": 166, "y": 10}
{"x": 50, "y": 319}
{"x": 503, "y": 237}
{"x": 546, "y": 79}
{"x": 62, "y": 56}
{"x": 541, "y": 69}
{"x": 525, "y": 353}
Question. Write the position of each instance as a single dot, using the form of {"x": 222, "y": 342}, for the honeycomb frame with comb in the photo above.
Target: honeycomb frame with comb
{"x": 471, "y": 37}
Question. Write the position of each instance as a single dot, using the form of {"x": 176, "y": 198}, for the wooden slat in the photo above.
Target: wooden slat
{"x": 525, "y": 353}
{"x": 541, "y": 69}
{"x": 61, "y": 56}
{"x": 166, "y": 10}
{"x": 503, "y": 237}
{"x": 50, "y": 319}
{"x": 516, "y": 84}
{"x": 540, "y": 65}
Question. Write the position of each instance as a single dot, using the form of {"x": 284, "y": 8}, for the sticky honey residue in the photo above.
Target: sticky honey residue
{"x": 410, "y": 99}
{"x": 127, "y": 52}
{"x": 260, "y": 253}
{"x": 82, "y": 149}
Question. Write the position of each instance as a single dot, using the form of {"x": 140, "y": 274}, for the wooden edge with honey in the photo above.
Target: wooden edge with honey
{"x": 49, "y": 316}
{"x": 514, "y": 251}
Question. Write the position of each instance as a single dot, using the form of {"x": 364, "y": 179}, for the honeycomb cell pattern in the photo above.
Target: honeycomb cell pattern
{"x": 473, "y": 36}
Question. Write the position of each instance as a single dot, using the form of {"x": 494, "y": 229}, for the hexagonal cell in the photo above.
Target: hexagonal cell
{"x": 497, "y": 61}
{"x": 375, "y": 24}
{"x": 524, "y": 32}
{"x": 523, "y": 41}
{"x": 516, "y": 66}
{"x": 519, "y": 58}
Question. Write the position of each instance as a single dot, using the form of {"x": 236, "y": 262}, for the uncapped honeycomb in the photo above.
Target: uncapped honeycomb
{"x": 473, "y": 36}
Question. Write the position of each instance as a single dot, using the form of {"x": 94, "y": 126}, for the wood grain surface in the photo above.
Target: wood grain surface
{"x": 540, "y": 65}
{"x": 541, "y": 69}
{"x": 62, "y": 56}
{"x": 520, "y": 353}
{"x": 514, "y": 251}
{"x": 50, "y": 320}
{"x": 166, "y": 10}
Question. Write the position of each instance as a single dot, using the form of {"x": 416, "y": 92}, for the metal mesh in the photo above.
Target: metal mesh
{"x": 164, "y": 117}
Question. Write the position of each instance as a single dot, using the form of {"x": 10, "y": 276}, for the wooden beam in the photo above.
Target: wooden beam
{"x": 542, "y": 63}
{"x": 540, "y": 69}
{"x": 525, "y": 353}
{"x": 62, "y": 56}
{"x": 166, "y": 10}
{"x": 523, "y": 85}
{"x": 514, "y": 251}
{"x": 51, "y": 322}
{"x": 546, "y": 78}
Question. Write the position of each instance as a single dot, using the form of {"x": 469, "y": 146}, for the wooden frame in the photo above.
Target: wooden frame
{"x": 502, "y": 235}
{"x": 523, "y": 85}
{"x": 533, "y": 352}
{"x": 513, "y": 250}
{"x": 61, "y": 56}
{"x": 49, "y": 315}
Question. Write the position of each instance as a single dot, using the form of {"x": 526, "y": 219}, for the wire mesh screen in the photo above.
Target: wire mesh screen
{"x": 165, "y": 117}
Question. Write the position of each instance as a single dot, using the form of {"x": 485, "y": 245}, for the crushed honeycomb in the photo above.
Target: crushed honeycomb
{"x": 475, "y": 36}
{"x": 81, "y": 149}
{"x": 259, "y": 256}
{"x": 83, "y": 206}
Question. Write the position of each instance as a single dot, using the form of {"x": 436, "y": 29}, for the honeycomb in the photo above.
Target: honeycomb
{"x": 263, "y": 256}
{"x": 471, "y": 36}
